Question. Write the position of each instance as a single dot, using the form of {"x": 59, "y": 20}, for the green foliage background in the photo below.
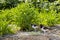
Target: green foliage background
{"x": 23, "y": 14}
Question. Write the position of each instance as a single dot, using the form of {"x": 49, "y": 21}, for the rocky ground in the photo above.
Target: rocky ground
{"x": 54, "y": 34}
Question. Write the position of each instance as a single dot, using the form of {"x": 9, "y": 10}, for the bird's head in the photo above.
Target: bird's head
{"x": 41, "y": 26}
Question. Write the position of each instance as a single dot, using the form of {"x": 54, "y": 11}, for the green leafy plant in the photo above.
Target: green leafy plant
{"x": 6, "y": 18}
{"x": 47, "y": 18}
{"x": 25, "y": 16}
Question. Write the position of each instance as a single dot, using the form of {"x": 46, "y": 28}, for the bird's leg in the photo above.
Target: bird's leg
{"x": 35, "y": 29}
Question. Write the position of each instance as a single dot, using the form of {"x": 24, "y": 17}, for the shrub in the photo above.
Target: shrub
{"x": 47, "y": 18}
{"x": 58, "y": 18}
{"x": 21, "y": 16}
{"x": 25, "y": 16}
{"x": 7, "y": 17}
{"x": 4, "y": 4}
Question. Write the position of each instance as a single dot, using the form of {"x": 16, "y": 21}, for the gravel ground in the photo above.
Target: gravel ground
{"x": 25, "y": 36}
{"x": 30, "y": 36}
{"x": 52, "y": 35}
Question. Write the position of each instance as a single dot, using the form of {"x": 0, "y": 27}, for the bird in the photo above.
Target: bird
{"x": 43, "y": 29}
{"x": 34, "y": 26}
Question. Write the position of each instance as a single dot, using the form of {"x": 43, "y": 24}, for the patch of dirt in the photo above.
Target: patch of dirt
{"x": 30, "y": 37}
{"x": 52, "y": 35}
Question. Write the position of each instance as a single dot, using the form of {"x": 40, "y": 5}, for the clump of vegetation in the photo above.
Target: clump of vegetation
{"x": 47, "y": 18}
{"x": 26, "y": 16}
{"x": 8, "y": 4}
{"x": 7, "y": 18}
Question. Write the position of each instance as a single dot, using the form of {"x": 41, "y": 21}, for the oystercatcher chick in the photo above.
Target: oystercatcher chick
{"x": 34, "y": 26}
{"x": 43, "y": 29}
